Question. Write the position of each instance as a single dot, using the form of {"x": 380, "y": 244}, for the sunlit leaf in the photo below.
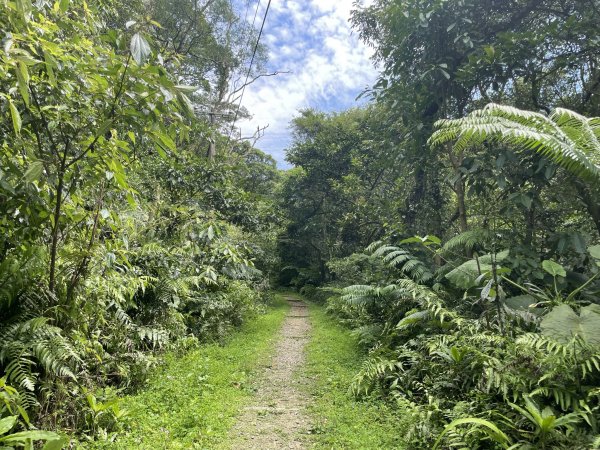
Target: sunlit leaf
{"x": 34, "y": 172}
{"x": 553, "y": 268}
{"x": 140, "y": 49}
{"x": 16, "y": 117}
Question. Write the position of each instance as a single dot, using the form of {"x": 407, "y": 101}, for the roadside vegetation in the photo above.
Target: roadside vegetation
{"x": 340, "y": 419}
{"x": 193, "y": 399}
{"x": 452, "y": 223}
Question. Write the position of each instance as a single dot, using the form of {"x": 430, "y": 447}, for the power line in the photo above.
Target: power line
{"x": 250, "y": 66}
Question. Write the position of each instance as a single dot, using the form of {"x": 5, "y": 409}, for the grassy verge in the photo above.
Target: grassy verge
{"x": 192, "y": 401}
{"x": 339, "y": 420}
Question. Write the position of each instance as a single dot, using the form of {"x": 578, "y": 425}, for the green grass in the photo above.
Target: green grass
{"x": 192, "y": 401}
{"x": 340, "y": 420}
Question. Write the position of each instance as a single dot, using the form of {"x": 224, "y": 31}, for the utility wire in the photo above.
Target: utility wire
{"x": 250, "y": 66}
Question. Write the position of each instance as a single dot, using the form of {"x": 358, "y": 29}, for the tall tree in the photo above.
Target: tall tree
{"x": 444, "y": 58}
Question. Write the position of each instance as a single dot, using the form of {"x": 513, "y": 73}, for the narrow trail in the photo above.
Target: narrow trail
{"x": 277, "y": 419}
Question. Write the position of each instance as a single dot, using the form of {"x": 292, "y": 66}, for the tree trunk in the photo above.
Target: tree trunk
{"x": 591, "y": 198}
{"x": 459, "y": 189}
{"x": 56, "y": 225}
{"x": 55, "y": 229}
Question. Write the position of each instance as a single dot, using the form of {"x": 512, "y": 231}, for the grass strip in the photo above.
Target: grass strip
{"x": 192, "y": 401}
{"x": 339, "y": 419}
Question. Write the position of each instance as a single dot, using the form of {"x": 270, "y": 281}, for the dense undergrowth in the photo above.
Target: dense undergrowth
{"x": 453, "y": 223}
{"x": 192, "y": 400}
{"x": 121, "y": 238}
{"x": 469, "y": 372}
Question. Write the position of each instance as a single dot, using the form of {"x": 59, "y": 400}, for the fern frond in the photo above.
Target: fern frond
{"x": 468, "y": 240}
{"x": 371, "y": 371}
{"x": 402, "y": 259}
{"x": 565, "y": 137}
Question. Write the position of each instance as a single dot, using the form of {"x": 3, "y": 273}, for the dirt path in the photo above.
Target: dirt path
{"x": 277, "y": 419}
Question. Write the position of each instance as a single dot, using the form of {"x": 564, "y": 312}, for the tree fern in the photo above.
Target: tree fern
{"x": 402, "y": 259}
{"x": 568, "y": 139}
{"x": 469, "y": 240}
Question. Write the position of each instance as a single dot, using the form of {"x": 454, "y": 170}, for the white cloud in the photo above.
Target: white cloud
{"x": 329, "y": 67}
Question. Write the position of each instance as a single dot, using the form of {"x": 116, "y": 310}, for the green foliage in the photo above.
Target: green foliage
{"x": 565, "y": 137}
{"x": 13, "y": 414}
{"x": 493, "y": 432}
{"x": 341, "y": 420}
{"x": 196, "y": 396}
{"x": 497, "y": 370}
{"x": 563, "y": 324}
{"x": 119, "y": 239}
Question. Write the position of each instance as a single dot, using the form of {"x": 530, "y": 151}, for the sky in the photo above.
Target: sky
{"x": 329, "y": 67}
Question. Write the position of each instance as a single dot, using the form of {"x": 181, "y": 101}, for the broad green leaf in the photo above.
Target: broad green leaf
{"x": 434, "y": 239}
{"x": 23, "y": 81}
{"x": 166, "y": 141}
{"x": 521, "y": 302}
{"x": 34, "y": 435}
{"x": 465, "y": 276}
{"x": 594, "y": 251}
{"x": 526, "y": 201}
{"x": 186, "y": 104}
{"x": 553, "y": 268}
{"x": 131, "y": 200}
{"x": 7, "y": 423}
{"x": 16, "y": 117}
{"x": 55, "y": 444}
{"x": 121, "y": 180}
{"x": 140, "y": 49}
{"x": 64, "y": 5}
{"x": 161, "y": 151}
{"x": 495, "y": 433}
{"x": 563, "y": 324}
{"x": 186, "y": 89}
{"x": 23, "y": 72}
{"x": 34, "y": 171}
{"x": 50, "y": 65}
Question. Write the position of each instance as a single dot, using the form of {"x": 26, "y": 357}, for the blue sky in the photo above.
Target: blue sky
{"x": 328, "y": 67}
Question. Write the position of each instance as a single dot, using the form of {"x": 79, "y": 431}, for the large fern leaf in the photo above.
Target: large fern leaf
{"x": 568, "y": 139}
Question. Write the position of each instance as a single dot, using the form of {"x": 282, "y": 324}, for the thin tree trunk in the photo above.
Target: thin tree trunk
{"x": 55, "y": 229}
{"x": 56, "y": 225}
{"x": 459, "y": 189}
{"x": 591, "y": 199}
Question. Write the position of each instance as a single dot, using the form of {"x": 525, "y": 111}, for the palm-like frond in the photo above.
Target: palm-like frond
{"x": 30, "y": 345}
{"x": 568, "y": 139}
{"x": 402, "y": 259}
{"x": 468, "y": 240}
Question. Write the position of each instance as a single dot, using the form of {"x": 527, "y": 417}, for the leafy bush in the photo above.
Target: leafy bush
{"x": 508, "y": 378}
